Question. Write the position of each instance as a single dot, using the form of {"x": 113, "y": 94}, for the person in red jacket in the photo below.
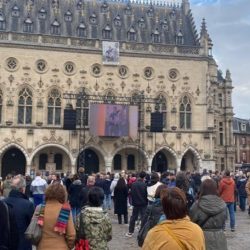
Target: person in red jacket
{"x": 226, "y": 191}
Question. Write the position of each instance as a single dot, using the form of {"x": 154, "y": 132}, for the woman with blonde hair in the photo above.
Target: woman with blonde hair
{"x": 58, "y": 232}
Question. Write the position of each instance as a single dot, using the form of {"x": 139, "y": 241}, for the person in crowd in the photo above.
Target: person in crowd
{"x": 76, "y": 196}
{"x": 68, "y": 181}
{"x": 216, "y": 177}
{"x": 210, "y": 213}
{"x": 9, "y": 238}
{"x": 93, "y": 223}
{"x": 177, "y": 232}
{"x": 38, "y": 187}
{"x": 90, "y": 184}
{"x": 241, "y": 187}
{"x": 197, "y": 182}
{"x": 22, "y": 209}
{"x": 131, "y": 180}
{"x": 154, "y": 212}
{"x": 248, "y": 191}
{"x": 183, "y": 183}
{"x": 56, "y": 178}
{"x": 28, "y": 192}
{"x": 154, "y": 184}
{"x": 227, "y": 193}
{"x": 58, "y": 230}
{"x": 99, "y": 180}
{"x": 83, "y": 177}
{"x": 139, "y": 201}
{"x": 172, "y": 180}
{"x": 107, "y": 193}
{"x": 120, "y": 201}
{"x": 113, "y": 184}
{"x": 7, "y": 185}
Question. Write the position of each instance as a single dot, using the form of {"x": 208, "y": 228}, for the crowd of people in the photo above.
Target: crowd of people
{"x": 173, "y": 211}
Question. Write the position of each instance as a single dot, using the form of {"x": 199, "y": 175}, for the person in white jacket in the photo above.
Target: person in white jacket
{"x": 113, "y": 184}
{"x": 155, "y": 183}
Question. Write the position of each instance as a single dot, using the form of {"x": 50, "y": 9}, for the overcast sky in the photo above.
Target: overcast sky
{"x": 228, "y": 24}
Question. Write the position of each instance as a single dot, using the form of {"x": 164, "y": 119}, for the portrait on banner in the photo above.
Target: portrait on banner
{"x": 110, "y": 53}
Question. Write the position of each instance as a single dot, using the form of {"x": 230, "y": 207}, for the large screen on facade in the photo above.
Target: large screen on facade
{"x": 113, "y": 120}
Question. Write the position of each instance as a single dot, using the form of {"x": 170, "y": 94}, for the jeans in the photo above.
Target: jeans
{"x": 38, "y": 199}
{"x": 134, "y": 217}
{"x": 230, "y": 207}
{"x": 107, "y": 202}
{"x": 75, "y": 211}
{"x": 242, "y": 203}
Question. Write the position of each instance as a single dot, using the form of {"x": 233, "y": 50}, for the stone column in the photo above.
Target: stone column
{"x": 108, "y": 164}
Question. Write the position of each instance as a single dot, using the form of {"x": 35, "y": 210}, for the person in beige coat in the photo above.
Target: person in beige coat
{"x": 248, "y": 191}
{"x": 55, "y": 197}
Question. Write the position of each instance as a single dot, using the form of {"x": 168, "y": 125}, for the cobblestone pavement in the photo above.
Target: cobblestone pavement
{"x": 238, "y": 240}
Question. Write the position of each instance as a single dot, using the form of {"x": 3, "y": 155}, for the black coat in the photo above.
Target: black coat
{"x": 139, "y": 194}
{"x": 121, "y": 200}
{"x": 76, "y": 194}
{"x": 23, "y": 210}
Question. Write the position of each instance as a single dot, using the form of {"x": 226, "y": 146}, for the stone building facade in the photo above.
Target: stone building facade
{"x": 51, "y": 48}
{"x": 241, "y": 132}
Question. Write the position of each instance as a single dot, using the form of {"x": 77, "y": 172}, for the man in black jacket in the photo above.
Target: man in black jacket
{"x": 139, "y": 201}
{"x": 23, "y": 209}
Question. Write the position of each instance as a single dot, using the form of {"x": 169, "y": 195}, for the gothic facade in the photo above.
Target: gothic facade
{"x": 51, "y": 50}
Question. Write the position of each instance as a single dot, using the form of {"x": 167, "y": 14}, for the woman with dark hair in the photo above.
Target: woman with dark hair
{"x": 153, "y": 214}
{"x": 55, "y": 217}
{"x": 121, "y": 200}
{"x": 210, "y": 213}
{"x": 177, "y": 232}
{"x": 182, "y": 183}
{"x": 93, "y": 224}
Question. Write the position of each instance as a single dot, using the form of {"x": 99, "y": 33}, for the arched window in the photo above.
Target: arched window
{"x": 55, "y": 28}
{"x": 132, "y": 34}
{"x": 179, "y": 38}
{"x": 43, "y": 159}
{"x": 137, "y": 99}
{"x": 82, "y": 112}
{"x": 28, "y": 25}
{"x": 54, "y": 107}
{"x": 1, "y": 105}
{"x": 156, "y": 36}
{"x": 25, "y": 106}
{"x": 131, "y": 162}
{"x": 106, "y": 32}
{"x": 58, "y": 160}
{"x": 185, "y": 113}
{"x": 2, "y": 21}
{"x": 81, "y": 30}
{"x": 161, "y": 106}
{"x": 118, "y": 162}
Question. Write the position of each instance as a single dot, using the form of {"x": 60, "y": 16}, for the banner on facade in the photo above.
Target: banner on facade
{"x": 110, "y": 53}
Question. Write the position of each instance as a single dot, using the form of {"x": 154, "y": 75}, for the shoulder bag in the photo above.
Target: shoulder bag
{"x": 34, "y": 230}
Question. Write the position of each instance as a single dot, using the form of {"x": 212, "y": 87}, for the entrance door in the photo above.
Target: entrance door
{"x": 13, "y": 162}
{"x": 160, "y": 163}
{"x": 89, "y": 160}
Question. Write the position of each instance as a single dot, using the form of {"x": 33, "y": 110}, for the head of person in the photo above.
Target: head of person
{"x": 95, "y": 197}
{"x": 182, "y": 182}
{"x": 160, "y": 191}
{"x": 8, "y": 177}
{"x": 208, "y": 187}
{"x": 174, "y": 203}
{"x": 38, "y": 173}
{"x": 56, "y": 192}
{"x": 142, "y": 175}
{"x": 81, "y": 170}
{"x": 91, "y": 181}
{"x": 154, "y": 178}
{"x": 227, "y": 173}
{"x": 53, "y": 177}
{"x": 75, "y": 177}
{"x": 121, "y": 183}
{"x": 18, "y": 183}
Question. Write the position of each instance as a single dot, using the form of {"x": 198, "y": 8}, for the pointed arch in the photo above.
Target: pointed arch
{"x": 185, "y": 112}
{"x": 197, "y": 158}
{"x": 54, "y": 106}
{"x": 25, "y": 103}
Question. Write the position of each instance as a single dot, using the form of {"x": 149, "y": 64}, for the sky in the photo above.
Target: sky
{"x": 228, "y": 24}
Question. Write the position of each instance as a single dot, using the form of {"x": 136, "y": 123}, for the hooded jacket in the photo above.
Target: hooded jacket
{"x": 226, "y": 189}
{"x": 210, "y": 214}
{"x": 94, "y": 225}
